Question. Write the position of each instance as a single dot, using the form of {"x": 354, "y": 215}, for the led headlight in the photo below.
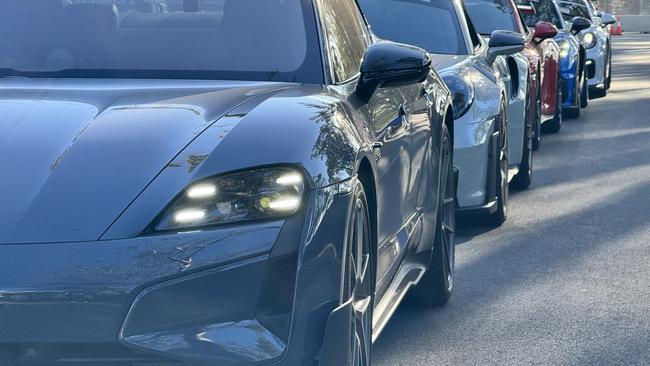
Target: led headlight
{"x": 462, "y": 94}
{"x": 565, "y": 48}
{"x": 589, "y": 40}
{"x": 254, "y": 195}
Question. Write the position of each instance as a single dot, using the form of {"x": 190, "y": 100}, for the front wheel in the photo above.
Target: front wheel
{"x": 524, "y": 177}
{"x": 498, "y": 217}
{"x": 360, "y": 279}
{"x": 574, "y": 112}
{"x": 601, "y": 93}
{"x": 608, "y": 82}
{"x": 537, "y": 126}
{"x": 436, "y": 286}
{"x": 584, "y": 92}
{"x": 555, "y": 125}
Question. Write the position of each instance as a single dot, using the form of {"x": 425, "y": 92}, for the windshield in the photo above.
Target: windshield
{"x": 271, "y": 40}
{"x": 572, "y": 9}
{"x": 545, "y": 10}
{"x": 432, "y": 25}
{"x": 490, "y": 15}
{"x": 592, "y": 6}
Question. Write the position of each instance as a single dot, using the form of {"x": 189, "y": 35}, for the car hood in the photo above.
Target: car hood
{"x": 562, "y": 35}
{"x": 75, "y": 154}
{"x": 441, "y": 62}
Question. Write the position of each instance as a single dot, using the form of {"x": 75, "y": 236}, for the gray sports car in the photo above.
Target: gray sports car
{"x": 202, "y": 183}
{"x": 489, "y": 94}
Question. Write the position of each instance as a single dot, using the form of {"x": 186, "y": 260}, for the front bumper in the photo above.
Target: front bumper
{"x": 225, "y": 296}
{"x": 472, "y": 142}
{"x": 598, "y": 55}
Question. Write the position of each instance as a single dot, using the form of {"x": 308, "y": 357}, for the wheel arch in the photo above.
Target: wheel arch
{"x": 449, "y": 122}
{"x": 366, "y": 176}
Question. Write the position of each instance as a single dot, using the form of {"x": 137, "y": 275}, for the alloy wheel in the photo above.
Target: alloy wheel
{"x": 558, "y": 105}
{"x": 436, "y": 285}
{"x": 584, "y": 92}
{"x": 503, "y": 163}
{"x": 360, "y": 284}
{"x": 448, "y": 217}
{"x": 537, "y": 128}
{"x": 608, "y": 79}
{"x": 555, "y": 125}
{"x": 498, "y": 217}
{"x": 523, "y": 179}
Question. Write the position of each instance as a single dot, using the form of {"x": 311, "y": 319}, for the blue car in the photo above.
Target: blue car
{"x": 574, "y": 67}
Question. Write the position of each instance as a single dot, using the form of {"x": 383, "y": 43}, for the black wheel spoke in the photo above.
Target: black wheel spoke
{"x": 360, "y": 285}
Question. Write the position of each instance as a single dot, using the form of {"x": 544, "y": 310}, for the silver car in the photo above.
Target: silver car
{"x": 596, "y": 40}
{"x": 488, "y": 81}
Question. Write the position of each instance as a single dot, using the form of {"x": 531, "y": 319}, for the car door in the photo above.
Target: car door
{"x": 392, "y": 117}
{"x": 389, "y": 117}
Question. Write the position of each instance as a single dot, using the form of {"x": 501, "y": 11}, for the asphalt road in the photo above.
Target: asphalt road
{"x": 566, "y": 281}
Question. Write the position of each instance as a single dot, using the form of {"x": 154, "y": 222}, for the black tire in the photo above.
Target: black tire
{"x": 555, "y": 125}
{"x": 359, "y": 278}
{"x": 436, "y": 286}
{"x": 572, "y": 113}
{"x": 608, "y": 81}
{"x": 537, "y": 127}
{"x": 597, "y": 93}
{"x": 584, "y": 92}
{"x": 601, "y": 93}
{"x": 498, "y": 217}
{"x": 524, "y": 177}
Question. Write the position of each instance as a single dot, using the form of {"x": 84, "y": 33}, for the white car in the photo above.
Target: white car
{"x": 596, "y": 40}
{"x": 489, "y": 83}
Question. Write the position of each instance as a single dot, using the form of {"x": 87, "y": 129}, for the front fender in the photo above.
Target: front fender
{"x": 305, "y": 127}
{"x": 316, "y": 132}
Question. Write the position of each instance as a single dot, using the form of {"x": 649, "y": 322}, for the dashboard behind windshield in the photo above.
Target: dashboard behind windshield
{"x": 545, "y": 10}
{"x": 273, "y": 40}
{"x": 490, "y": 15}
{"x": 572, "y": 9}
{"x": 432, "y": 24}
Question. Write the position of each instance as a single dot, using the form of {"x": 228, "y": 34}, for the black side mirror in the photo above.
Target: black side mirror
{"x": 607, "y": 19}
{"x": 389, "y": 64}
{"x": 502, "y": 43}
{"x": 578, "y": 24}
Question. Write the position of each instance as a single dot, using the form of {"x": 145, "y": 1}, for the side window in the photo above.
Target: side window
{"x": 345, "y": 35}
{"x": 473, "y": 34}
{"x": 522, "y": 23}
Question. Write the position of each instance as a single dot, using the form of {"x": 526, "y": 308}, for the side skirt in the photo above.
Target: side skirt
{"x": 408, "y": 275}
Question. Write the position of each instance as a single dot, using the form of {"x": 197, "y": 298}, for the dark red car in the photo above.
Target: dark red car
{"x": 542, "y": 52}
